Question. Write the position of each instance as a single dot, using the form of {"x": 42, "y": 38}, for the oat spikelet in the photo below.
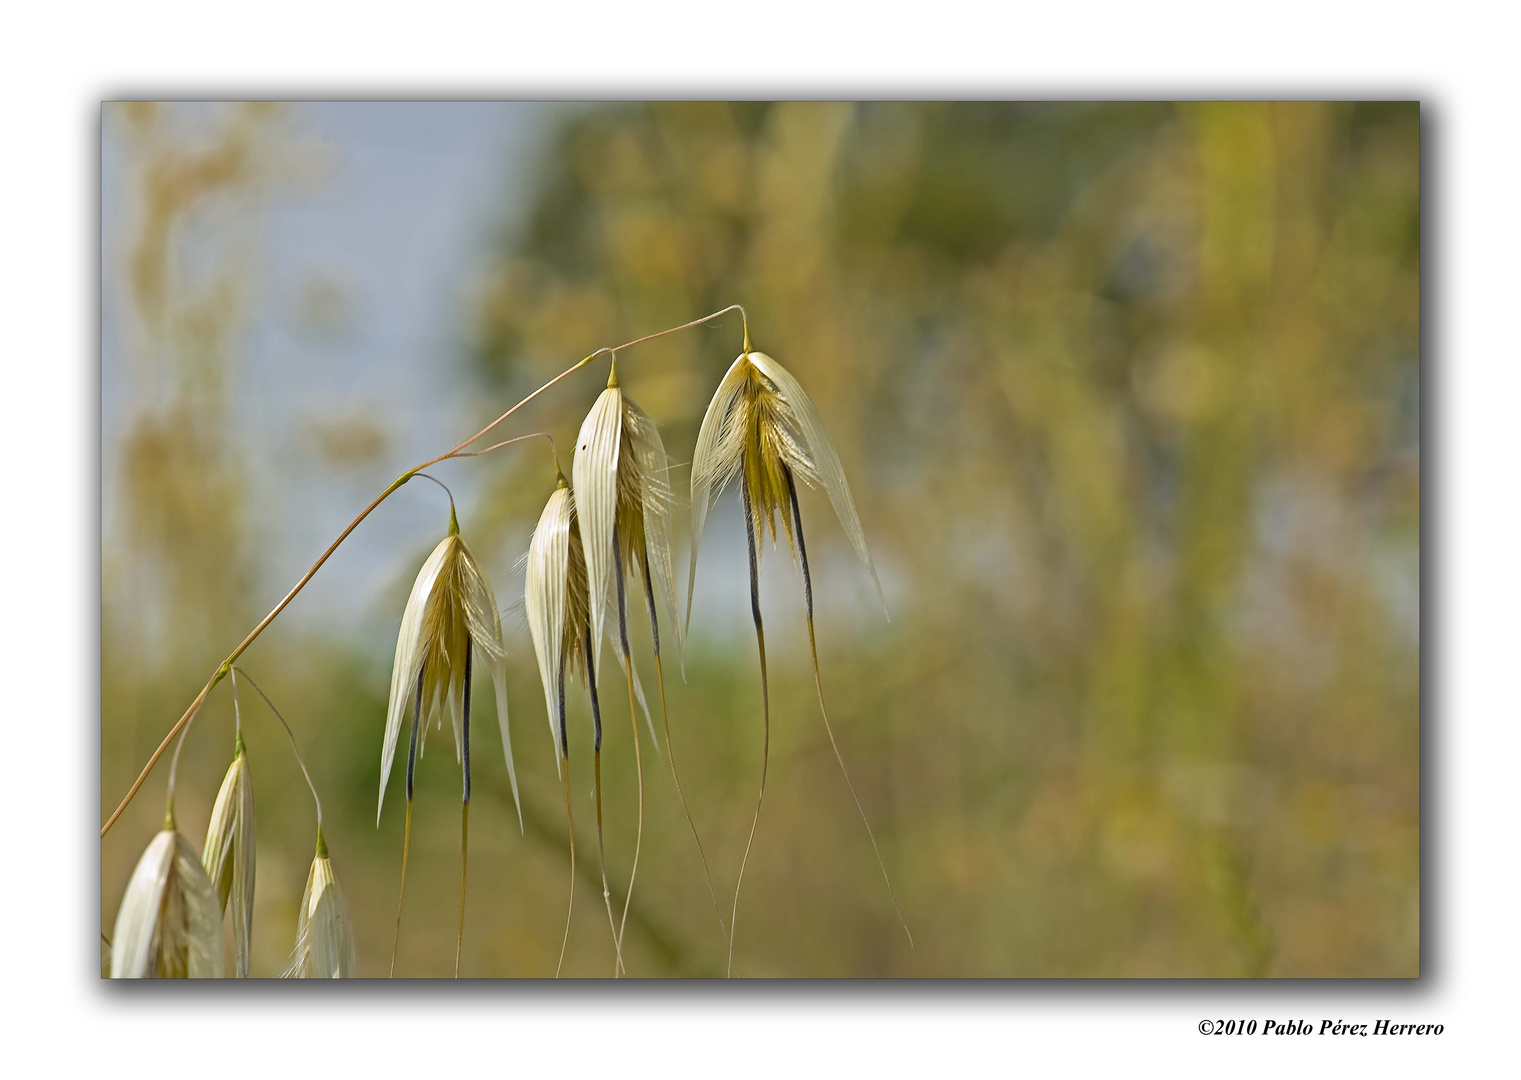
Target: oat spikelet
{"x": 324, "y": 934}
{"x": 559, "y": 620}
{"x": 451, "y": 607}
{"x": 555, "y": 600}
{"x": 621, "y": 483}
{"x": 649, "y": 504}
{"x": 450, "y": 615}
{"x": 594, "y": 472}
{"x": 169, "y": 925}
{"x": 228, "y": 855}
{"x": 623, "y": 502}
{"x": 761, "y": 420}
{"x": 763, "y": 428}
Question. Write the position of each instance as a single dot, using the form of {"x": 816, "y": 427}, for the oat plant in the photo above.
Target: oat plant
{"x": 450, "y": 615}
{"x": 228, "y": 854}
{"x": 324, "y": 934}
{"x": 612, "y": 525}
{"x": 623, "y": 498}
{"x": 169, "y": 925}
{"x": 555, "y": 598}
{"x": 764, "y": 429}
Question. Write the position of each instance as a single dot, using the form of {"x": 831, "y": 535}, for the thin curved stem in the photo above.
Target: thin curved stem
{"x": 639, "y": 772}
{"x": 406, "y": 836}
{"x": 236, "y": 671}
{"x": 554, "y": 452}
{"x": 577, "y": 366}
{"x": 464, "y": 847}
{"x": 226, "y": 665}
{"x": 591, "y": 682}
{"x": 665, "y": 720}
{"x": 633, "y": 719}
{"x": 237, "y": 710}
{"x": 440, "y": 483}
{"x": 744, "y": 319}
{"x": 802, "y": 548}
{"x": 174, "y": 768}
{"x": 464, "y": 813}
{"x": 760, "y": 642}
{"x": 570, "y": 821}
{"x": 604, "y": 351}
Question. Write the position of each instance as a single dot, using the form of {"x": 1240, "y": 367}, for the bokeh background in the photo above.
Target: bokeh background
{"x": 1128, "y": 396}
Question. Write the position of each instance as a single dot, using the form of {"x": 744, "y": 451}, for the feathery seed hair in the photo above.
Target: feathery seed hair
{"x": 169, "y": 925}
{"x": 762, "y": 427}
{"x": 324, "y": 933}
{"x": 450, "y": 614}
{"x": 623, "y": 491}
{"x": 559, "y": 621}
{"x": 625, "y": 499}
{"x": 556, "y": 600}
{"x": 762, "y": 423}
{"x": 450, "y": 609}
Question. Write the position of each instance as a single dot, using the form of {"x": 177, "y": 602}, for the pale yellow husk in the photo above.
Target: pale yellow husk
{"x": 169, "y": 924}
{"x": 451, "y": 602}
{"x": 324, "y": 934}
{"x": 555, "y": 597}
{"x": 228, "y": 855}
{"x": 594, "y": 472}
{"x": 646, "y": 499}
{"x": 620, "y": 474}
{"x": 761, "y": 420}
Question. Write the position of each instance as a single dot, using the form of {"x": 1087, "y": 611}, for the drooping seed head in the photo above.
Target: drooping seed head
{"x": 620, "y": 473}
{"x": 555, "y": 597}
{"x": 451, "y": 604}
{"x": 761, "y": 420}
{"x": 324, "y": 934}
{"x": 228, "y": 855}
{"x": 169, "y": 925}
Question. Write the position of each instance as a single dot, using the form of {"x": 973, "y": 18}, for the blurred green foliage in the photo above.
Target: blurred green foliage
{"x": 1128, "y": 397}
